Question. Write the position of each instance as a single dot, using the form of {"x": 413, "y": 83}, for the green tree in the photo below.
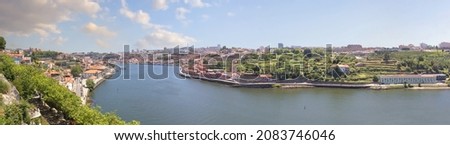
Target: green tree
{"x": 2, "y": 120}
{"x": 4, "y": 87}
{"x": 30, "y": 80}
{"x": 241, "y": 68}
{"x": 90, "y": 84}
{"x": 76, "y": 70}
{"x": 386, "y": 57}
{"x": 420, "y": 59}
{"x": 2, "y": 43}
{"x": 16, "y": 114}
{"x": 6, "y": 65}
{"x": 375, "y": 79}
{"x": 307, "y": 53}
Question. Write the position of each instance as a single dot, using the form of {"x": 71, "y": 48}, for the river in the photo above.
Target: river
{"x": 174, "y": 101}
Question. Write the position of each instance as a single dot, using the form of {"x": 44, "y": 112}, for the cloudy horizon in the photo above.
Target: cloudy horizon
{"x": 106, "y": 25}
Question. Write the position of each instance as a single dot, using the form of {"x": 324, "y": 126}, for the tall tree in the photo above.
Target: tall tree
{"x": 76, "y": 70}
{"x": 90, "y": 84}
{"x": 2, "y": 43}
{"x": 386, "y": 57}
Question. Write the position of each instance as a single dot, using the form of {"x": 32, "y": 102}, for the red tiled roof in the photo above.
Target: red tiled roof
{"x": 91, "y": 71}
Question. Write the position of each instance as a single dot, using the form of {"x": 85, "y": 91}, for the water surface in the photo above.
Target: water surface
{"x": 173, "y": 101}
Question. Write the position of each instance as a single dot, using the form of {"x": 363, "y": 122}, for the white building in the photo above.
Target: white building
{"x": 409, "y": 79}
{"x": 424, "y": 46}
{"x": 444, "y": 45}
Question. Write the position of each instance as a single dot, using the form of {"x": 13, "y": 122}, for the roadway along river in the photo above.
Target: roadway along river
{"x": 174, "y": 101}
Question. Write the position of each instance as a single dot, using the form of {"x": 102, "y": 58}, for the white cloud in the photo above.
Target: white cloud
{"x": 59, "y": 40}
{"x": 205, "y": 17}
{"x": 98, "y": 30}
{"x": 162, "y": 38}
{"x": 102, "y": 33}
{"x": 164, "y": 4}
{"x": 139, "y": 17}
{"x": 230, "y": 14}
{"x": 27, "y": 17}
{"x": 197, "y": 3}
{"x": 102, "y": 43}
{"x": 87, "y": 6}
{"x": 105, "y": 15}
{"x": 160, "y": 4}
{"x": 180, "y": 15}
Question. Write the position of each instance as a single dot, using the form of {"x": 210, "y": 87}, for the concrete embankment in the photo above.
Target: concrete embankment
{"x": 350, "y": 86}
{"x": 319, "y": 84}
{"x": 437, "y": 86}
{"x": 227, "y": 82}
{"x": 276, "y": 84}
{"x": 296, "y": 85}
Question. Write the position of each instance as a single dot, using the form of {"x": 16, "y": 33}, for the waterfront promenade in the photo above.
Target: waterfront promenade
{"x": 289, "y": 85}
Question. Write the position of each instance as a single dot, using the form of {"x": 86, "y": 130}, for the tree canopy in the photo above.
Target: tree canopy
{"x": 90, "y": 84}
{"x": 76, "y": 70}
{"x": 2, "y": 43}
{"x": 4, "y": 87}
{"x": 30, "y": 80}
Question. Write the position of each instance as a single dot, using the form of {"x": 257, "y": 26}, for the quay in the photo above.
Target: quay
{"x": 238, "y": 84}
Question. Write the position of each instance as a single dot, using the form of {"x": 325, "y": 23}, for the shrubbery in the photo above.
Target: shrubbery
{"x": 30, "y": 80}
{"x": 4, "y": 87}
{"x": 17, "y": 114}
{"x": 276, "y": 86}
{"x": 90, "y": 84}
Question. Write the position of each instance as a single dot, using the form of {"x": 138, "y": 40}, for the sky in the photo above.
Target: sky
{"x": 106, "y": 25}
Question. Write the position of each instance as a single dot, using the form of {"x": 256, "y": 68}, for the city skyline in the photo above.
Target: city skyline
{"x": 106, "y": 25}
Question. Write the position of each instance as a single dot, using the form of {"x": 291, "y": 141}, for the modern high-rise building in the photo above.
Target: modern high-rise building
{"x": 280, "y": 45}
{"x": 126, "y": 50}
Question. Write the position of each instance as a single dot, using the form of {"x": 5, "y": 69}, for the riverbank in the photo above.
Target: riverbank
{"x": 234, "y": 83}
{"x": 372, "y": 86}
{"x": 172, "y": 101}
{"x": 86, "y": 95}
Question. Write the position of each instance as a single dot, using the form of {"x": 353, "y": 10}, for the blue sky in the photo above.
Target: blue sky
{"x": 105, "y": 25}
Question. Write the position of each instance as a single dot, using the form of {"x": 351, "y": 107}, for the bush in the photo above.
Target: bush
{"x": 90, "y": 84}
{"x": 16, "y": 114}
{"x": 29, "y": 80}
{"x": 76, "y": 70}
{"x": 276, "y": 86}
{"x": 2, "y": 120}
{"x": 4, "y": 87}
{"x": 375, "y": 79}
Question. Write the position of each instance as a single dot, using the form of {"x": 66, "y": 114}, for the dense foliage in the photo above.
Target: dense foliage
{"x": 319, "y": 64}
{"x": 16, "y": 114}
{"x": 76, "y": 70}
{"x": 4, "y": 87}
{"x": 44, "y": 54}
{"x": 2, "y": 43}
{"x": 31, "y": 81}
{"x": 90, "y": 84}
